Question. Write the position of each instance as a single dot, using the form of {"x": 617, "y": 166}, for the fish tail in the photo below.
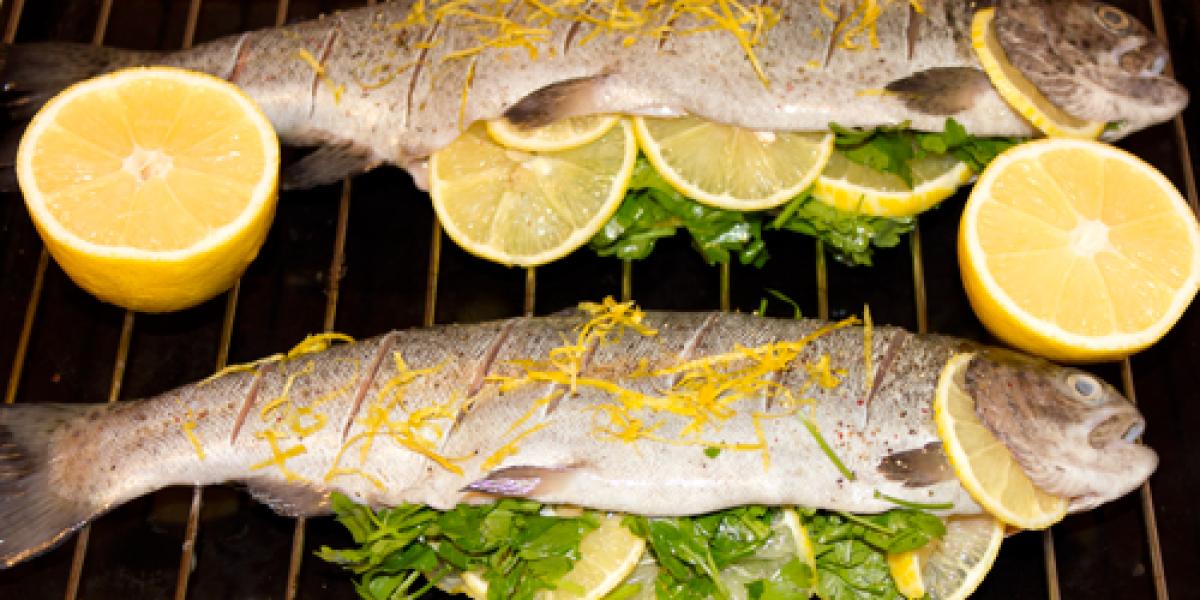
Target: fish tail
{"x": 31, "y": 74}
{"x": 36, "y": 510}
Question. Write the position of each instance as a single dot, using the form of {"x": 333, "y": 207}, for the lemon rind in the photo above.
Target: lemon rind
{"x": 851, "y": 197}
{"x": 496, "y": 130}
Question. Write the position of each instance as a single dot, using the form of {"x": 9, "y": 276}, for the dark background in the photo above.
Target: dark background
{"x": 379, "y": 281}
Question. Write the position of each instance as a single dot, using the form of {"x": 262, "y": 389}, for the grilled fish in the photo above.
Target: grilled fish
{"x": 394, "y": 83}
{"x": 612, "y": 408}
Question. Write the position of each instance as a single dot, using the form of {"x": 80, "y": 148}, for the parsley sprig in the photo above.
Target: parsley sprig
{"x": 402, "y": 552}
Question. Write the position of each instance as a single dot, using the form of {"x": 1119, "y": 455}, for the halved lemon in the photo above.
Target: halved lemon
{"x": 153, "y": 188}
{"x": 607, "y": 555}
{"x": 853, "y": 187}
{"x": 1019, "y": 92}
{"x": 1077, "y": 250}
{"x": 730, "y": 167}
{"x": 564, "y": 134}
{"x": 982, "y": 463}
{"x": 952, "y": 567}
{"x": 528, "y": 208}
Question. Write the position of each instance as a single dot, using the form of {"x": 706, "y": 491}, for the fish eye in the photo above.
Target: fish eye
{"x": 1086, "y": 387}
{"x": 1113, "y": 19}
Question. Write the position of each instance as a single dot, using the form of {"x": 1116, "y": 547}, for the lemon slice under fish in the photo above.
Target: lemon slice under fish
{"x": 564, "y": 134}
{"x": 730, "y": 167}
{"x": 853, "y": 187}
{"x": 529, "y": 208}
{"x": 982, "y": 463}
{"x": 607, "y": 555}
{"x": 1019, "y": 92}
{"x": 952, "y": 567}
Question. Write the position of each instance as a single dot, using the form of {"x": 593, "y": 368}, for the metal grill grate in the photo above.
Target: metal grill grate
{"x": 1088, "y": 554}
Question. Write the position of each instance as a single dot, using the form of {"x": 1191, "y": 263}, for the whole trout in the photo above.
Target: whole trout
{"x": 646, "y": 413}
{"x": 394, "y": 83}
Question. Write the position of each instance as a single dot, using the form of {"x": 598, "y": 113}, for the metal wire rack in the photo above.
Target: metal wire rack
{"x": 369, "y": 257}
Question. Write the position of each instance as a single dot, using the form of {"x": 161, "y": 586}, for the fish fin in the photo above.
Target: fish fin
{"x": 941, "y": 90}
{"x": 35, "y": 515}
{"x": 327, "y": 164}
{"x": 918, "y": 467}
{"x": 567, "y": 98}
{"x": 290, "y": 499}
{"x": 522, "y": 481}
{"x": 31, "y": 74}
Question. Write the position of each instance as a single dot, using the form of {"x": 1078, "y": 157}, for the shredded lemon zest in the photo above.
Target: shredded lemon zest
{"x": 311, "y": 344}
{"x": 189, "y": 430}
{"x": 511, "y": 447}
{"x": 334, "y": 88}
{"x": 279, "y": 457}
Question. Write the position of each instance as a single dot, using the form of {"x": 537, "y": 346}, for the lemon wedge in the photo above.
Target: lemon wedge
{"x": 950, "y": 568}
{"x": 153, "y": 188}
{"x": 729, "y": 167}
{"x": 853, "y": 187}
{"x": 1077, "y": 250}
{"x": 982, "y": 463}
{"x": 564, "y": 134}
{"x": 607, "y": 556}
{"x": 529, "y": 208}
{"x": 1019, "y": 92}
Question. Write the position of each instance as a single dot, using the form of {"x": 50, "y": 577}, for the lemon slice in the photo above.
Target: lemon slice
{"x": 564, "y": 134}
{"x": 152, "y": 188}
{"x": 982, "y": 463}
{"x": 607, "y": 555}
{"x": 1077, "y": 250}
{"x": 1019, "y": 92}
{"x": 729, "y": 167}
{"x": 528, "y": 208}
{"x": 952, "y": 567}
{"x": 853, "y": 187}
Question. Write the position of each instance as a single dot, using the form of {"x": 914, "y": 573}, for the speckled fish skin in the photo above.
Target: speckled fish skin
{"x": 70, "y": 463}
{"x": 388, "y": 94}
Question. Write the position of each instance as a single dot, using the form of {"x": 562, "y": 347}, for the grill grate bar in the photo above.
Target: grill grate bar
{"x": 431, "y": 280}
{"x": 14, "y": 20}
{"x": 822, "y": 284}
{"x": 1158, "y": 572}
{"x": 530, "y": 291}
{"x": 35, "y": 296}
{"x": 920, "y": 299}
{"x": 1181, "y": 138}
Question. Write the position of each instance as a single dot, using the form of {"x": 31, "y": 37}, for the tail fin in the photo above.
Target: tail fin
{"x": 35, "y": 515}
{"x": 33, "y": 73}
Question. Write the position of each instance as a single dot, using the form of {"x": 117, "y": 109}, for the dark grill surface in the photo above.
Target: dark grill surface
{"x": 58, "y": 344}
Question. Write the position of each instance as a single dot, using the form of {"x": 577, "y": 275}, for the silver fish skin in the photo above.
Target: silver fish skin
{"x": 294, "y": 430}
{"x": 372, "y": 92}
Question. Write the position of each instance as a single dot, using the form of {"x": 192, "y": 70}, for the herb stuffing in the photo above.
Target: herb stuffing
{"x": 518, "y": 549}
{"x": 653, "y": 210}
{"x": 892, "y": 149}
{"x": 403, "y": 552}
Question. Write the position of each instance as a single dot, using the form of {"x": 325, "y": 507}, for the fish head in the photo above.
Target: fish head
{"x": 1093, "y": 60}
{"x": 1073, "y": 434}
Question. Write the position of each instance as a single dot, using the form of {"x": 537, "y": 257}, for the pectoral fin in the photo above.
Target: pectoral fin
{"x": 523, "y": 482}
{"x": 289, "y": 499}
{"x": 918, "y": 467}
{"x": 325, "y": 165}
{"x": 941, "y": 91}
{"x": 567, "y": 98}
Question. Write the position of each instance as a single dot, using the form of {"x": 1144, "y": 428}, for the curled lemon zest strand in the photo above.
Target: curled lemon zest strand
{"x": 189, "y": 431}
{"x": 311, "y": 344}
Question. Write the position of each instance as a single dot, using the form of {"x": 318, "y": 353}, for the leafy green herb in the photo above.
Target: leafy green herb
{"x": 849, "y": 236}
{"x": 833, "y": 457}
{"x": 692, "y": 551}
{"x": 851, "y": 550}
{"x": 518, "y": 550}
{"x": 712, "y": 452}
{"x": 892, "y": 149}
{"x": 782, "y": 297}
{"x": 653, "y": 210}
{"x": 910, "y": 504}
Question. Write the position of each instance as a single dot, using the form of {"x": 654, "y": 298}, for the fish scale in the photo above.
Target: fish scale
{"x": 460, "y": 413}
